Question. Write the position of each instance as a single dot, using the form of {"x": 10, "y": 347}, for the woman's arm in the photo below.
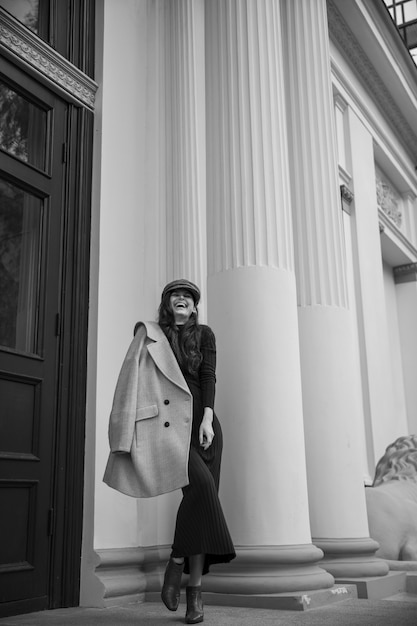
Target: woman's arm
{"x": 206, "y": 432}
{"x": 207, "y": 374}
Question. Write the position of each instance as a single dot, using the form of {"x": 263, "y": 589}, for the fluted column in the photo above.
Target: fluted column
{"x": 252, "y": 305}
{"x": 185, "y": 147}
{"x": 331, "y": 393}
{"x": 175, "y": 166}
{"x": 176, "y": 216}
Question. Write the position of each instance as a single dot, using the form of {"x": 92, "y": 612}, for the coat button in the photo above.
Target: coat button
{"x": 166, "y": 401}
{"x": 166, "y": 424}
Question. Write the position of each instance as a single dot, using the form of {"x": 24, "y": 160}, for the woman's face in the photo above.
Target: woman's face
{"x": 182, "y": 305}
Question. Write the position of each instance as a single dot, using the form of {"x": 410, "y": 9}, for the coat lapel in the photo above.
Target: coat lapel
{"x": 163, "y": 356}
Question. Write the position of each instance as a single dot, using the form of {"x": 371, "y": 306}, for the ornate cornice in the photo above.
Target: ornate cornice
{"x": 345, "y": 40}
{"x": 388, "y": 199}
{"x": 44, "y": 62}
{"x": 405, "y": 273}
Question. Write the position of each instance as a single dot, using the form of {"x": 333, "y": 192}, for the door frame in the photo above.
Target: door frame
{"x": 68, "y": 488}
{"x": 77, "y": 88}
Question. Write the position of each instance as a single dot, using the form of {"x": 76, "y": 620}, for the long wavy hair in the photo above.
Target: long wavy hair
{"x": 186, "y": 346}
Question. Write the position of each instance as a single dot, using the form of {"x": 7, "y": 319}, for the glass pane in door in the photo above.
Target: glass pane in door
{"x": 20, "y": 250}
{"x": 26, "y": 11}
{"x": 23, "y": 127}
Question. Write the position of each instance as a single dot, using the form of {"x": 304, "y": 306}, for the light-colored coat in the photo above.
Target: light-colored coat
{"x": 151, "y": 419}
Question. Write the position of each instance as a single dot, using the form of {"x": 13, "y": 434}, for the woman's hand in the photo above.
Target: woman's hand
{"x": 206, "y": 432}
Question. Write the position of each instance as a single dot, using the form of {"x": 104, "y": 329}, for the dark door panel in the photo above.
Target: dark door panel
{"x": 21, "y": 404}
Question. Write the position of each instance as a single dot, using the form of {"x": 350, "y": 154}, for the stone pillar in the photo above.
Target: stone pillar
{"x": 184, "y": 117}
{"x": 331, "y": 398}
{"x": 405, "y": 277}
{"x": 152, "y": 199}
{"x": 176, "y": 187}
{"x": 367, "y": 237}
{"x": 252, "y": 305}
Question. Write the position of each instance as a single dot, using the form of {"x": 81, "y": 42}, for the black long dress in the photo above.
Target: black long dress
{"x": 200, "y": 526}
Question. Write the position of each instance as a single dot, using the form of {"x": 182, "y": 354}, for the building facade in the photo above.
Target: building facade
{"x": 267, "y": 151}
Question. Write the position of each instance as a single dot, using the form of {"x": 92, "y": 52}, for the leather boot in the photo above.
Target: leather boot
{"x": 194, "y": 613}
{"x": 170, "y": 593}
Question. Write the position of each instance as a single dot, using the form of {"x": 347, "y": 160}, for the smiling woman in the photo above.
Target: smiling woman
{"x": 172, "y": 444}
{"x": 182, "y": 305}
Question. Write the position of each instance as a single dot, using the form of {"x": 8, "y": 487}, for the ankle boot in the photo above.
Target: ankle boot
{"x": 194, "y": 613}
{"x": 170, "y": 593}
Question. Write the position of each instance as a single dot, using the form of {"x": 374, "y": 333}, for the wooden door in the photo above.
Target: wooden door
{"x": 32, "y": 136}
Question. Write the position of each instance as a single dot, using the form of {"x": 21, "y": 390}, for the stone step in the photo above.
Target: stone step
{"x": 404, "y": 597}
{"x": 377, "y": 587}
{"x": 289, "y": 601}
{"x": 411, "y": 586}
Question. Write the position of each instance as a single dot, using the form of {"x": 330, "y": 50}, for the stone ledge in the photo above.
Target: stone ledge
{"x": 293, "y": 601}
{"x": 378, "y": 587}
{"x": 126, "y": 600}
{"x": 411, "y": 584}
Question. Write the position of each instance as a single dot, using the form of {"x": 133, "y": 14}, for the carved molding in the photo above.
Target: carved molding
{"x": 345, "y": 40}
{"x": 41, "y": 59}
{"x": 405, "y": 273}
{"x": 388, "y": 202}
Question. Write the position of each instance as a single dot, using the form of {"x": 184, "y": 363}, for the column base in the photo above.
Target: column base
{"x": 262, "y": 571}
{"x": 286, "y": 577}
{"x": 121, "y": 577}
{"x": 376, "y": 588}
{"x": 270, "y": 570}
{"x": 402, "y": 566}
{"x": 351, "y": 558}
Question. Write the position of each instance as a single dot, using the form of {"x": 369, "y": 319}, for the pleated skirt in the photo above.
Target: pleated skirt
{"x": 201, "y": 527}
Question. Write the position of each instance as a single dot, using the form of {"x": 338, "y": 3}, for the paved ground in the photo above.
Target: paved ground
{"x": 398, "y": 610}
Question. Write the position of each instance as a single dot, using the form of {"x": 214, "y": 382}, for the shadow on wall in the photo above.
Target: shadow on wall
{"x": 392, "y": 504}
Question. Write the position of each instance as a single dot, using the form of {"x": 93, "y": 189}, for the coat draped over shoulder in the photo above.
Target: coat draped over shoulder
{"x": 151, "y": 419}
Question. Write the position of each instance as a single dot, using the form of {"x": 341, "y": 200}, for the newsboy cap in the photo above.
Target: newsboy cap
{"x": 182, "y": 283}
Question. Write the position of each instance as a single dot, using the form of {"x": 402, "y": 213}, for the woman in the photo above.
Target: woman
{"x": 201, "y": 536}
{"x": 161, "y": 441}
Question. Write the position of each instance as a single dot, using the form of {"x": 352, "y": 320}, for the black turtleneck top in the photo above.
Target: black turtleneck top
{"x": 204, "y": 382}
